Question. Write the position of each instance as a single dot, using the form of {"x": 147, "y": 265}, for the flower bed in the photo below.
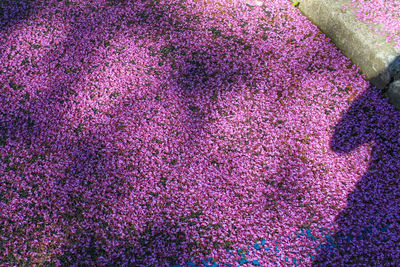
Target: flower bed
{"x": 159, "y": 133}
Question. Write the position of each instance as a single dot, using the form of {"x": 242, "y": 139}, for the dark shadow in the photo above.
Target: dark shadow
{"x": 392, "y": 73}
{"x": 369, "y": 227}
{"x": 394, "y": 70}
{"x": 14, "y": 12}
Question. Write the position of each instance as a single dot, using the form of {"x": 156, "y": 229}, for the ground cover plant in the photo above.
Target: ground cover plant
{"x": 190, "y": 133}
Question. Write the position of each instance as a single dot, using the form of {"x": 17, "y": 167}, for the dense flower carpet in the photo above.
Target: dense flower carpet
{"x": 189, "y": 133}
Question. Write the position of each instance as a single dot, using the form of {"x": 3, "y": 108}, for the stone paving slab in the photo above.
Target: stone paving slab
{"x": 377, "y": 59}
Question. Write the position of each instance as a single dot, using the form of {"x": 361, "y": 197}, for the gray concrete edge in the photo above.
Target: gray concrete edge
{"x": 377, "y": 59}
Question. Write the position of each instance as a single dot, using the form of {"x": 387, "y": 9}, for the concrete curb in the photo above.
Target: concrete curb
{"x": 393, "y": 93}
{"x": 377, "y": 59}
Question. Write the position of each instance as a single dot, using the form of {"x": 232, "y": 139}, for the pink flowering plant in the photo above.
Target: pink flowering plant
{"x": 190, "y": 133}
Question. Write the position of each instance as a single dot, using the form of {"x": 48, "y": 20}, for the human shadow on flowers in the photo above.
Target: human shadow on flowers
{"x": 369, "y": 227}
